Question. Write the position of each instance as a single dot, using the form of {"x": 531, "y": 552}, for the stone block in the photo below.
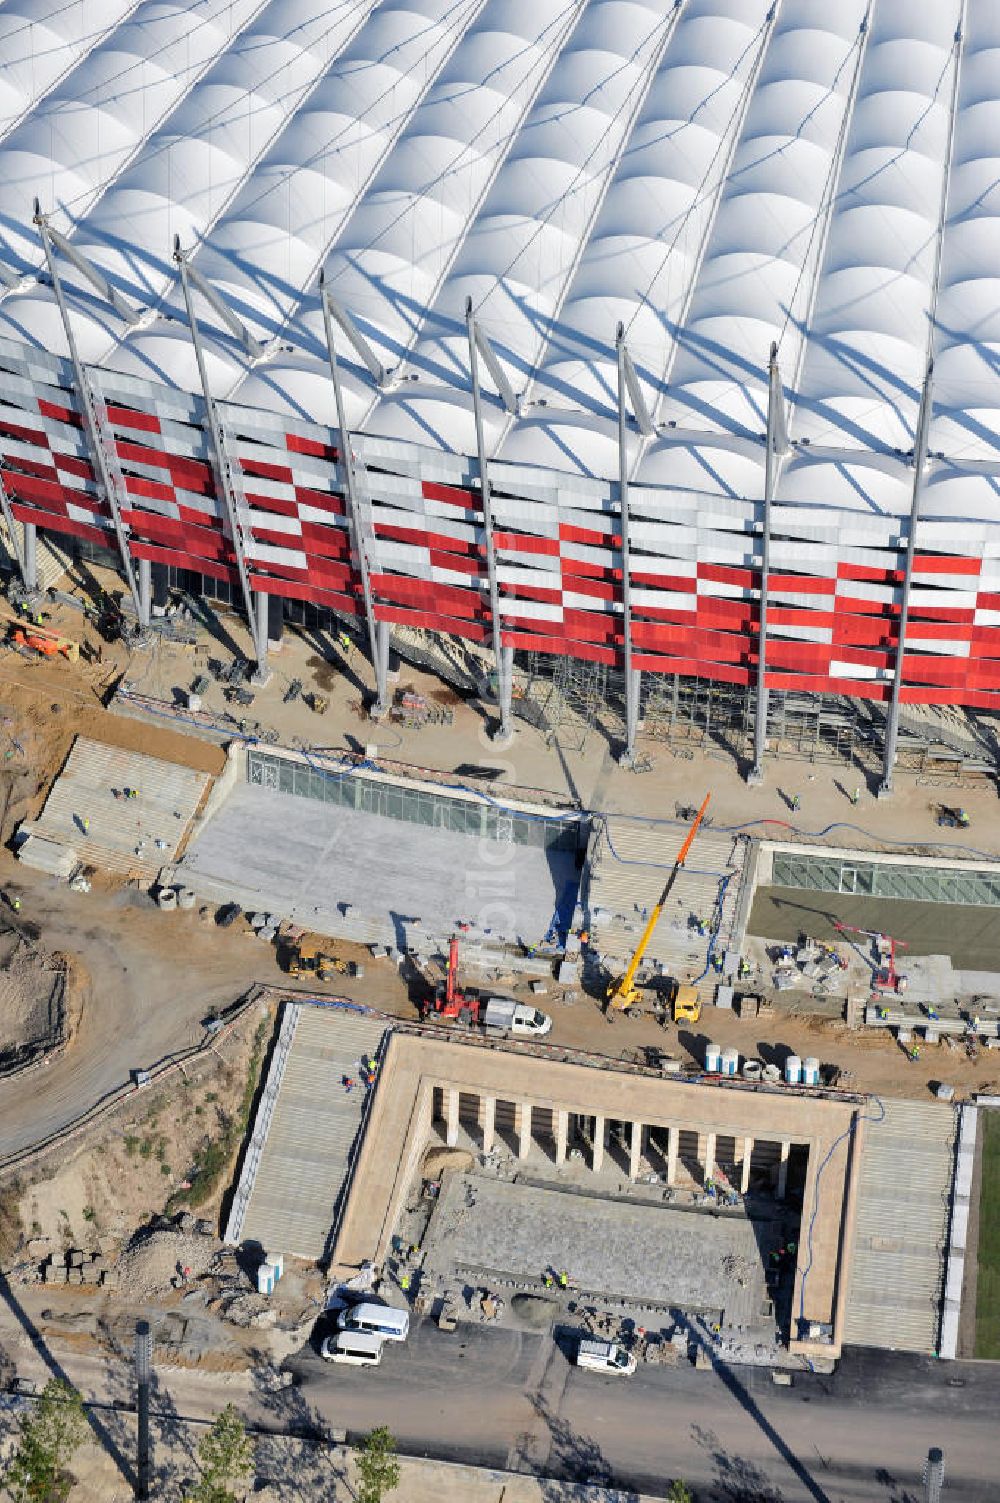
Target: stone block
{"x": 74, "y": 1276}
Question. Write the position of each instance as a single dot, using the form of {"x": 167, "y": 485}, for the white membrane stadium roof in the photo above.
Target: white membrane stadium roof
{"x": 715, "y": 175}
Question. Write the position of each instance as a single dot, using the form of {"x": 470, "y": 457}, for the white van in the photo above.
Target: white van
{"x": 359, "y": 1348}
{"x": 605, "y": 1357}
{"x": 504, "y": 1015}
{"x": 377, "y": 1320}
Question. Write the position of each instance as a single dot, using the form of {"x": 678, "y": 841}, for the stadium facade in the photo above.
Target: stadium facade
{"x": 667, "y": 334}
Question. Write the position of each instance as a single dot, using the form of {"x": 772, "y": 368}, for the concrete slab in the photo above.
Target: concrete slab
{"x": 969, "y": 934}
{"x": 305, "y": 860}
{"x": 689, "y": 1260}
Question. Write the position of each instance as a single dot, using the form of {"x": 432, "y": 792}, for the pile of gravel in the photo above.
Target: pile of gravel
{"x": 153, "y": 1259}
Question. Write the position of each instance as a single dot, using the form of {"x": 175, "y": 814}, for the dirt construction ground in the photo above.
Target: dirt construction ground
{"x": 138, "y": 1005}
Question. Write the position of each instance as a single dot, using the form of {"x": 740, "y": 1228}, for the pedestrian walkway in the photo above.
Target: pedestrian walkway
{"x": 301, "y": 1153}
{"x": 901, "y": 1233}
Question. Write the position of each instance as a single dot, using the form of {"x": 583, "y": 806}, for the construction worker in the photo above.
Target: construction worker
{"x": 796, "y": 803}
{"x": 85, "y": 825}
{"x": 547, "y": 1280}
{"x": 856, "y": 796}
{"x": 914, "y": 1052}
{"x": 564, "y": 1280}
{"x": 15, "y": 903}
{"x": 404, "y": 1282}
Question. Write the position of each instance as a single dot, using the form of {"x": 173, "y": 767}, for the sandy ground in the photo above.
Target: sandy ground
{"x": 145, "y": 1154}
{"x": 137, "y": 1005}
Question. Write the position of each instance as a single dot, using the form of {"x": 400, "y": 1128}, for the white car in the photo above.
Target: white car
{"x": 356, "y": 1348}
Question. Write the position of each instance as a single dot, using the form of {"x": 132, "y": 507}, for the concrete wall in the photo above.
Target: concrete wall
{"x": 416, "y": 1065}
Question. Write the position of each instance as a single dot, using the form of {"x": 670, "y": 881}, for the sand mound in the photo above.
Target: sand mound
{"x": 437, "y": 1160}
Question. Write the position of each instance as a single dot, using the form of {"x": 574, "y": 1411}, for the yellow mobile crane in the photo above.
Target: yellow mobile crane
{"x": 624, "y": 993}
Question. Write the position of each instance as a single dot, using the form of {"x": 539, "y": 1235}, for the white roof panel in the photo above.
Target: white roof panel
{"x": 716, "y": 175}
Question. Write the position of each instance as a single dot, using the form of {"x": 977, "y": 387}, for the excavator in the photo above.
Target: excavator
{"x": 624, "y": 994}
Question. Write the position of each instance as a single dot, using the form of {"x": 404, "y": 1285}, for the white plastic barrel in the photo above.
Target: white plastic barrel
{"x": 713, "y": 1059}
{"x": 194, "y": 702}
{"x": 730, "y": 1061}
{"x": 793, "y": 1070}
{"x": 810, "y": 1071}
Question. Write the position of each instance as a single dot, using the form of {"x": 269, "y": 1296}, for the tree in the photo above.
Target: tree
{"x": 378, "y": 1469}
{"x": 49, "y": 1437}
{"x": 679, "y": 1492}
{"x": 225, "y": 1455}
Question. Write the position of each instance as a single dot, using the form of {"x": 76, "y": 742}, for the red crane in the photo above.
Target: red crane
{"x": 451, "y": 1003}
{"x": 885, "y": 977}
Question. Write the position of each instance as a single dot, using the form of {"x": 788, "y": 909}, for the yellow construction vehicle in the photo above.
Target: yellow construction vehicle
{"x": 307, "y": 957}
{"x": 623, "y": 993}
{"x": 686, "y": 1003}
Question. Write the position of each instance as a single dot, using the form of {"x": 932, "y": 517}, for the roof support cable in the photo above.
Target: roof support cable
{"x": 227, "y": 480}
{"x": 504, "y": 655}
{"x": 360, "y": 514}
{"x": 921, "y": 442}
{"x": 101, "y": 440}
{"x": 777, "y": 446}
{"x": 633, "y": 677}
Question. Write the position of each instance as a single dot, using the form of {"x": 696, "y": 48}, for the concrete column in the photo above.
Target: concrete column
{"x": 600, "y": 1138}
{"x": 262, "y": 673}
{"x": 160, "y": 577}
{"x": 747, "y": 1156}
{"x": 381, "y": 667}
{"x": 635, "y": 1150}
{"x": 562, "y": 1134}
{"x": 145, "y": 584}
{"x": 275, "y": 621}
{"x": 451, "y": 1116}
{"x": 488, "y": 1121}
{"x": 783, "y": 1170}
{"x": 505, "y": 691}
{"x": 524, "y": 1130}
{"x": 708, "y": 1169}
{"x": 30, "y": 557}
{"x": 673, "y": 1144}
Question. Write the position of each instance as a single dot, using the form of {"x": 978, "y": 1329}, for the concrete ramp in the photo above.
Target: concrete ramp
{"x": 629, "y": 864}
{"x": 301, "y": 1152}
{"x": 901, "y": 1233}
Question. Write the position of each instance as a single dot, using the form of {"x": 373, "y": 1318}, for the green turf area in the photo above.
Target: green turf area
{"x": 988, "y": 1286}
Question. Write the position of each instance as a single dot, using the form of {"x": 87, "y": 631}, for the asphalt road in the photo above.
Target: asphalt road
{"x": 513, "y": 1400}
{"x": 137, "y": 1007}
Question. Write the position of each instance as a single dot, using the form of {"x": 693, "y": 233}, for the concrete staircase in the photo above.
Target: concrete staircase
{"x": 299, "y": 1166}
{"x": 630, "y": 862}
{"x": 901, "y": 1233}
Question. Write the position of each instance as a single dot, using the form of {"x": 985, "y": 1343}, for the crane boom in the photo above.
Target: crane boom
{"x": 624, "y": 992}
